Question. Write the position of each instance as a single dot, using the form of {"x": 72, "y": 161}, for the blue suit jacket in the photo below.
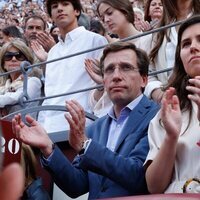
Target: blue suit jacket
{"x": 102, "y": 172}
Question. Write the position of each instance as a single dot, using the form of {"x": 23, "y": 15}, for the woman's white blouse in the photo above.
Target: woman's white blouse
{"x": 11, "y": 92}
{"x": 187, "y": 163}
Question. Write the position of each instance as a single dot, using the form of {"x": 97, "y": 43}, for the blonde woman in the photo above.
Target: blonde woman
{"x": 12, "y": 54}
{"x": 34, "y": 189}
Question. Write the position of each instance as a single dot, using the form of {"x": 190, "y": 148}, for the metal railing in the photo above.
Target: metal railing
{"x": 26, "y": 67}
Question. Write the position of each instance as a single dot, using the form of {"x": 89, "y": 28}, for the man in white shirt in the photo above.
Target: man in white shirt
{"x": 69, "y": 74}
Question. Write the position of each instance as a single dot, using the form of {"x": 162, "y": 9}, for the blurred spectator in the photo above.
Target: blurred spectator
{"x": 90, "y": 12}
{"x": 137, "y": 3}
{"x": 34, "y": 189}
{"x": 97, "y": 27}
{"x": 47, "y": 19}
{"x": 138, "y": 14}
{"x": 16, "y": 22}
{"x": 2, "y": 22}
{"x": 1, "y": 38}
{"x": 34, "y": 25}
{"x": 138, "y": 18}
{"x": 22, "y": 17}
{"x": 84, "y": 20}
{"x": 55, "y": 32}
{"x": 153, "y": 12}
{"x": 152, "y": 16}
{"x": 37, "y": 37}
{"x": 2, "y": 4}
{"x": 10, "y": 33}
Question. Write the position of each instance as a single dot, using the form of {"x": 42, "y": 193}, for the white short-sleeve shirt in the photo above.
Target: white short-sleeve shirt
{"x": 187, "y": 163}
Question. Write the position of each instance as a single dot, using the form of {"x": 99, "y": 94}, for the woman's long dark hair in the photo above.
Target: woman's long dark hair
{"x": 12, "y": 31}
{"x": 179, "y": 77}
{"x": 147, "y": 17}
{"x": 170, "y": 13}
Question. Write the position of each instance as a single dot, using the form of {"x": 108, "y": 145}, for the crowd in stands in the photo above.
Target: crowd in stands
{"x": 146, "y": 139}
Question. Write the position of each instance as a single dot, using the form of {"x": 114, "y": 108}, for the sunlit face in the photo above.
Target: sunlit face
{"x": 114, "y": 19}
{"x": 190, "y": 50}
{"x": 56, "y": 31}
{"x": 155, "y": 9}
{"x": 64, "y": 15}
{"x": 12, "y": 59}
{"x": 33, "y": 27}
{"x": 122, "y": 79}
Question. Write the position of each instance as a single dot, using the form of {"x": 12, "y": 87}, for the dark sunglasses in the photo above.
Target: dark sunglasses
{"x": 18, "y": 55}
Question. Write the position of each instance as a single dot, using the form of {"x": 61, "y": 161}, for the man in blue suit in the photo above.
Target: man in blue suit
{"x": 110, "y": 152}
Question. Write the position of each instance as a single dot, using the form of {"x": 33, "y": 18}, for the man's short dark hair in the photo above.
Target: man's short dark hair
{"x": 75, "y": 3}
{"x": 142, "y": 58}
{"x": 35, "y": 17}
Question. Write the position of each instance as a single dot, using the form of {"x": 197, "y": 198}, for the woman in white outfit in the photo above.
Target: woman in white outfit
{"x": 174, "y": 134}
{"x": 162, "y": 45}
{"x": 12, "y": 54}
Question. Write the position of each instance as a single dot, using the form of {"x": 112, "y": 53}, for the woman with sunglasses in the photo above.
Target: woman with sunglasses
{"x": 12, "y": 54}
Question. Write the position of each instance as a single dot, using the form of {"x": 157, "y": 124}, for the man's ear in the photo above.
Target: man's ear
{"x": 77, "y": 13}
{"x": 144, "y": 81}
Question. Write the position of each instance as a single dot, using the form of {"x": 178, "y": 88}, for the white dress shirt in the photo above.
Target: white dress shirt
{"x": 69, "y": 75}
{"x": 186, "y": 164}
